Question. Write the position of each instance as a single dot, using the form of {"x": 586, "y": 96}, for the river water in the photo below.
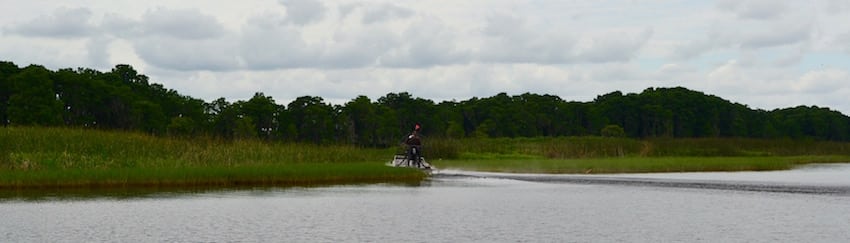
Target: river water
{"x": 809, "y": 204}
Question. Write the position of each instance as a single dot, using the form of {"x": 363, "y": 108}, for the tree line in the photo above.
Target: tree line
{"x": 124, "y": 99}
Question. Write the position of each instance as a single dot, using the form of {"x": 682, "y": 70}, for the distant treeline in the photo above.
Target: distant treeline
{"x": 126, "y": 100}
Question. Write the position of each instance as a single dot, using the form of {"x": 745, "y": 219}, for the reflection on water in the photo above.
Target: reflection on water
{"x": 811, "y": 179}
{"x": 813, "y": 174}
{"x": 65, "y": 194}
{"x": 459, "y": 208}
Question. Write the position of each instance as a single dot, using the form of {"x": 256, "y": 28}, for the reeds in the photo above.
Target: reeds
{"x": 68, "y": 157}
{"x": 636, "y": 164}
{"x": 546, "y": 147}
{"x": 63, "y": 157}
{"x": 602, "y": 147}
{"x": 745, "y": 147}
{"x": 28, "y": 148}
{"x": 622, "y": 155}
{"x": 213, "y": 176}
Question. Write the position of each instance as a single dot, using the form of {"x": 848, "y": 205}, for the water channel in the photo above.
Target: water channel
{"x": 808, "y": 204}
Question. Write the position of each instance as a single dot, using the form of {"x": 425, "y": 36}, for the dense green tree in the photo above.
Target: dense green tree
{"x": 363, "y": 121}
{"x": 613, "y": 131}
{"x": 78, "y": 92}
{"x": 182, "y": 127}
{"x": 222, "y": 117}
{"x": 312, "y": 118}
{"x": 449, "y": 120}
{"x": 244, "y": 128}
{"x": 7, "y": 70}
{"x": 32, "y": 99}
{"x": 127, "y": 74}
{"x": 409, "y": 111}
{"x": 262, "y": 110}
{"x": 148, "y": 117}
{"x": 388, "y": 133}
{"x": 123, "y": 98}
{"x": 286, "y": 130}
{"x": 455, "y": 130}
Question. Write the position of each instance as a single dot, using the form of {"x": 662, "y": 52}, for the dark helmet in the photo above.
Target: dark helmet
{"x": 417, "y": 127}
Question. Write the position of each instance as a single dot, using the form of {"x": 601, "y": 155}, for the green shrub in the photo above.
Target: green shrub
{"x": 614, "y": 131}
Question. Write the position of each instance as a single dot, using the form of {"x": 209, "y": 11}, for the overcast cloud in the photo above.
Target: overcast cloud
{"x": 763, "y": 53}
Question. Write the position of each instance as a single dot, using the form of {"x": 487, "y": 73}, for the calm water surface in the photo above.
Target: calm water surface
{"x": 458, "y": 206}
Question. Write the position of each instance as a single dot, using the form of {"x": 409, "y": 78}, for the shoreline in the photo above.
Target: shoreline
{"x": 39, "y": 157}
{"x": 627, "y": 165}
{"x": 209, "y": 177}
{"x": 20, "y": 184}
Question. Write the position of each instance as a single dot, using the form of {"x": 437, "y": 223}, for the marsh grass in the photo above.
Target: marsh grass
{"x": 636, "y": 164}
{"x": 602, "y": 147}
{"x": 61, "y": 148}
{"x": 745, "y": 147}
{"x": 257, "y": 175}
{"x": 66, "y": 157}
{"x": 63, "y": 157}
{"x": 623, "y": 155}
{"x": 548, "y": 147}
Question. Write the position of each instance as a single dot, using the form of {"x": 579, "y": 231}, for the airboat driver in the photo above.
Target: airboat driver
{"x": 414, "y": 145}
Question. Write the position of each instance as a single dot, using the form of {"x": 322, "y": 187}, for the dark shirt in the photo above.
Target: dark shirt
{"x": 413, "y": 140}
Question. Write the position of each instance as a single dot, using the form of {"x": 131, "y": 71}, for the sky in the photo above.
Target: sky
{"x": 766, "y": 54}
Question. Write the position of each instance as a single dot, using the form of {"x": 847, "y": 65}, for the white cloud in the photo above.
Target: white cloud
{"x": 358, "y": 45}
{"x": 837, "y": 6}
{"x": 509, "y": 38}
{"x": 747, "y": 51}
{"x": 793, "y": 56}
{"x": 515, "y": 39}
{"x": 613, "y": 46}
{"x": 843, "y": 42}
{"x": 728, "y": 74}
{"x": 754, "y": 9}
{"x": 62, "y": 23}
{"x": 269, "y": 44}
{"x": 676, "y": 68}
{"x": 186, "y": 55}
{"x": 121, "y": 26}
{"x": 822, "y": 81}
{"x": 385, "y": 12}
{"x": 51, "y": 53}
{"x": 98, "y": 52}
{"x": 691, "y": 49}
{"x": 778, "y": 35}
{"x": 426, "y": 42}
{"x": 181, "y": 23}
{"x": 304, "y": 11}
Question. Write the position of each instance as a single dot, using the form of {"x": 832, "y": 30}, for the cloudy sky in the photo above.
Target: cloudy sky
{"x": 763, "y": 53}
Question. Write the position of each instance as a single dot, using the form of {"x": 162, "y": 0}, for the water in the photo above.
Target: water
{"x": 465, "y": 207}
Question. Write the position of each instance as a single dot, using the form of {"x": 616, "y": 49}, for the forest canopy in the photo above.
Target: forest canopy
{"x": 123, "y": 99}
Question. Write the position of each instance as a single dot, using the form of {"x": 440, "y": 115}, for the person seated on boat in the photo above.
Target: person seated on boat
{"x": 414, "y": 145}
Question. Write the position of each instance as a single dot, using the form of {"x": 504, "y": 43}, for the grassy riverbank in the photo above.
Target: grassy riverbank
{"x": 620, "y": 155}
{"x": 635, "y": 164}
{"x": 85, "y": 158}
{"x": 61, "y": 157}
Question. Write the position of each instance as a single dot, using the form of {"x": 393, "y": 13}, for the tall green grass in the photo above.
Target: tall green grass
{"x": 212, "y": 176}
{"x": 28, "y": 148}
{"x": 744, "y": 147}
{"x": 623, "y": 155}
{"x": 601, "y": 147}
{"x": 66, "y": 157}
{"x": 546, "y": 147}
{"x": 63, "y": 157}
{"x": 636, "y": 164}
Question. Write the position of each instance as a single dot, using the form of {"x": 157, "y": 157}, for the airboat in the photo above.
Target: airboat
{"x": 411, "y": 160}
{"x": 412, "y": 156}
{"x": 401, "y": 160}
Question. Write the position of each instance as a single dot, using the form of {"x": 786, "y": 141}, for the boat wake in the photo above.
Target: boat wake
{"x": 777, "y": 187}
